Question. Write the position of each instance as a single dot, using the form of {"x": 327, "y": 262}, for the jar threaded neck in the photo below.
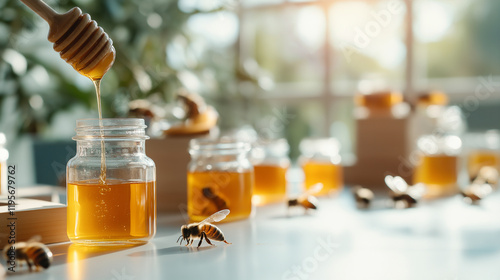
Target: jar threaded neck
{"x": 217, "y": 146}
{"x": 118, "y": 129}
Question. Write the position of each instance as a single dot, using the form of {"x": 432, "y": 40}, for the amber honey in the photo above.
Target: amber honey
{"x": 270, "y": 184}
{"x": 438, "y": 173}
{"x": 121, "y": 212}
{"x": 209, "y": 192}
{"x": 478, "y": 159}
{"x": 101, "y": 68}
{"x": 95, "y": 74}
{"x": 327, "y": 173}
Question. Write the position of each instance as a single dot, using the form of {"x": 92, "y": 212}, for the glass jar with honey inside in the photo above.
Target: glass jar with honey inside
{"x": 220, "y": 176}
{"x": 270, "y": 162}
{"x": 437, "y": 166}
{"x": 483, "y": 150}
{"x": 320, "y": 161}
{"x": 111, "y": 198}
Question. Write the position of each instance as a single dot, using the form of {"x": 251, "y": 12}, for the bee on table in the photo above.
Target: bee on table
{"x": 482, "y": 185}
{"x": 403, "y": 195}
{"x": 204, "y": 229}
{"x": 363, "y": 197}
{"x": 32, "y": 252}
{"x": 307, "y": 200}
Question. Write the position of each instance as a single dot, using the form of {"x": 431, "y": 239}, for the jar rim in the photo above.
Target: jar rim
{"x": 217, "y": 145}
{"x": 327, "y": 146}
{"x": 114, "y": 129}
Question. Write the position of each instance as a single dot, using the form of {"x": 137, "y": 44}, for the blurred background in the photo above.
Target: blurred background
{"x": 286, "y": 68}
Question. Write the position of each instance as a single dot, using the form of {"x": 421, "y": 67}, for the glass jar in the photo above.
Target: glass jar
{"x": 270, "y": 162}
{"x": 320, "y": 161}
{"x": 220, "y": 176}
{"x": 437, "y": 165}
{"x": 484, "y": 150}
{"x": 111, "y": 199}
{"x": 4, "y": 156}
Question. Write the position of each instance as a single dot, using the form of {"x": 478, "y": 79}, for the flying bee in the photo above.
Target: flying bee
{"x": 204, "y": 229}
{"x": 403, "y": 195}
{"x": 307, "y": 200}
{"x": 482, "y": 185}
{"x": 32, "y": 252}
{"x": 217, "y": 200}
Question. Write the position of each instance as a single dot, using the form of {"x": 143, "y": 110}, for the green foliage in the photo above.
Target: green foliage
{"x": 142, "y": 68}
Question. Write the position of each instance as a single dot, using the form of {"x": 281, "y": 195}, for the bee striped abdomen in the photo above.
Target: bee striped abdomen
{"x": 38, "y": 256}
{"x": 213, "y": 232}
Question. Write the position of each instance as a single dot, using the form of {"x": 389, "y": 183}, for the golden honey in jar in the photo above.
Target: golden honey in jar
{"x": 220, "y": 176}
{"x": 480, "y": 158}
{"x": 4, "y": 156}
{"x": 270, "y": 161}
{"x": 483, "y": 150}
{"x": 437, "y": 167}
{"x": 118, "y": 207}
{"x": 321, "y": 163}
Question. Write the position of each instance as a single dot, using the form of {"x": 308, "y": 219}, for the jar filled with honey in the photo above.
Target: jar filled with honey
{"x": 320, "y": 160}
{"x": 220, "y": 176}
{"x": 111, "y": 184}
{"x": 270, "y": 162}
{"x": 484, "y": 150}
{"x": 4, "y": 156}
{"x": 437, "y": 165}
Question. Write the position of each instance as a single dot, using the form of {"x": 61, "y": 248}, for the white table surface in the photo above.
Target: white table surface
{"x": 444, "y": 240}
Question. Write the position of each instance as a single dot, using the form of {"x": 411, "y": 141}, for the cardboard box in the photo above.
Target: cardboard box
{"x": 171, "y": 157}
{"x": 383, "y": 147}
{"x": 381, "y": 138}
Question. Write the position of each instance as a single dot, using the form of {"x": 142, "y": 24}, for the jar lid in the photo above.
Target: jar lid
{"x": 379, "y": 100}
{"x": 432, "y": 98}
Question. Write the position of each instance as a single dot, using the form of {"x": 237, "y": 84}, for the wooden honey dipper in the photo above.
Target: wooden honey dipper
{"x": 78, "y": 39}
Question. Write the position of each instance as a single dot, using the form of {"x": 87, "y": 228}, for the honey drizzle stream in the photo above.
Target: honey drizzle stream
{"x": 102, "y": 176}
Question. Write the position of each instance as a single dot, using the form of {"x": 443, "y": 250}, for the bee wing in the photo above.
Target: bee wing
{"x": 389, "y": 182}
{"x": 400, "y": 184}
{"x": 396, "y": 184}
{"x": 314, "y": 189}
{"x": 481, "y": 190}
{"x": 417, "y": 191}
{"x": 216, "y": 217}
{"x": 35, "y": 238}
